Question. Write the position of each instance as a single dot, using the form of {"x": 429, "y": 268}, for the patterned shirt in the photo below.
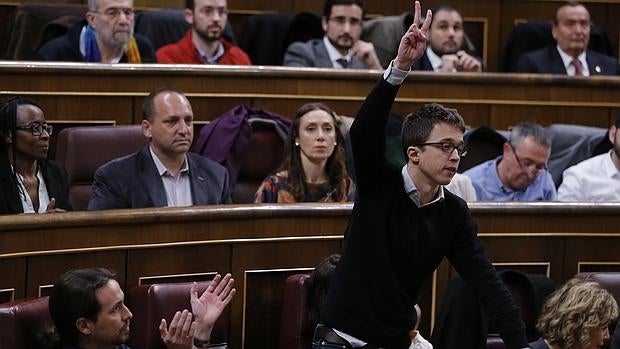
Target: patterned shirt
{"x": 276, "y": 189}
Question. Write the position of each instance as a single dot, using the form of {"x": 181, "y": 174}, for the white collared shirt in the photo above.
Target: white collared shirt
{"x": 435, "y": 60}
{"x": 334, "y": 54}
{"x": 414, "y": 193}
{"x": 44, "y": 199}
{"x": 567, "y": 60}
{"x": 178, "y": 189}
{"x": 593, "y": 180}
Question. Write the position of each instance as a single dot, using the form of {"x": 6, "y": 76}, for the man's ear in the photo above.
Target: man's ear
{"x": 324, "y": 23}
{"x": 90, "y": 18}
{"x": 611, "y": 134}
{"x": 146, "y": 129}
{"x": 189, "y": 16}
{"x": 506, "y": 149}
{"x": 84, "y": 326}
{"x": 413, "y": 154}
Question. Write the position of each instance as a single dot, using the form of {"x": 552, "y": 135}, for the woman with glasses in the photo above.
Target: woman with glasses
{"x": 314, "y": 167}
{"x": 28, "y": 182}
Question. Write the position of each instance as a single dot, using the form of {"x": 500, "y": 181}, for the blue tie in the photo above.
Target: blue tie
{"x": 343, "y": 62}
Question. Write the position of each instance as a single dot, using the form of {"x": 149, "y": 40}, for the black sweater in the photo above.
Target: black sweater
{"x": 391, "y": 246}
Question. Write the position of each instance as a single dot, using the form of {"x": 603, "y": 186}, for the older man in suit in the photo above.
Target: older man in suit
{"x": 571, "y": 30}
{"x": 340, "y": 47}
{"x": 163, "y": 173}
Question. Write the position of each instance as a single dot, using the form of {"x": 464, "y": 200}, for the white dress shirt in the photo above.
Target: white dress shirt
{"x": 593, "y": 180}
{"x": 178, "y": 188}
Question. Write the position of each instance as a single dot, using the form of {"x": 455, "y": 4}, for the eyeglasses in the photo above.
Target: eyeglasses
{"x": 115, "y": 12}
{"x": 448, "y": 147}
{"x": 37, "y": 129}
{"x": 354, "y": 22}
{"x": 529, "y": 164}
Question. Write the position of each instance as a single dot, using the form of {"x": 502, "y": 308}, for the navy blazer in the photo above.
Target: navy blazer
{"x": 132, "y": 181}
{"x": 548, "y": 61}
{"x": 313, "y": 53}
{"x": 56, "y": 182}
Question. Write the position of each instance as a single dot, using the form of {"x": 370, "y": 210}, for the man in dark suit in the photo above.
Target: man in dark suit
{"x": 571, "y": 30}
{"x": 446, "y": 38}
{"x": 164, "y": 173}
{"x": 340, "y": 47}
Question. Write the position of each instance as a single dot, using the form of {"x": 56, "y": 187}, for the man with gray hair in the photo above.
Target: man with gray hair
{"x": 106, "y": 36}
{"x": 520, "y": 174}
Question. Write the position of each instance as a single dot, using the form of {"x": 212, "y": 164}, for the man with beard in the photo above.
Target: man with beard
{"x": 88, "y": 309}
{"x": 571, "y": 31}
{"x": 105, "y": 37}
{"x": 520, "y": 174}
{"x": 203, "y": 43}
{"x": 596, "y": 179}
{"x": 445, "y": 51}
{"x": 163, "y": 173}
{"x": 340, "y": 47}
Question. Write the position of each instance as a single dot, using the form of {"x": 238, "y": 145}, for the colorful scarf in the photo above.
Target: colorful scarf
{"x": 92, "y": 54}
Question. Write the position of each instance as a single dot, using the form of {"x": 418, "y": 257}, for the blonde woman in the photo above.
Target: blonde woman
{"x": 576, "y": 316}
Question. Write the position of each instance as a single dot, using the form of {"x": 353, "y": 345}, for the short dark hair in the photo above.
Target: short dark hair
{"x": 74, "y": 296}
{"x": 568, "y": 3}
{"x": 444, "y": 7}
{"x": 327, "y": 8}
{"x": 618, "y": 120}
{"x": 418, "y": 125}
{"x": 190, "y": 4}
{"x": 148, "y": 105}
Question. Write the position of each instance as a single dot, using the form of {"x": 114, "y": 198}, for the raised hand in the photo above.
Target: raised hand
{"x": 413, "y": 43}
{"x": 180, "y": 333}
{"x": 209, "y": 306}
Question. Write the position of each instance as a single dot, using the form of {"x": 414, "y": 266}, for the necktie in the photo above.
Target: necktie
{"x": 343, "y": 62}
{"x": 578, "y": 67}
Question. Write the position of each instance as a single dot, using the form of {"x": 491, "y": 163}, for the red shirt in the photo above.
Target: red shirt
{"x": 185, "y": 52}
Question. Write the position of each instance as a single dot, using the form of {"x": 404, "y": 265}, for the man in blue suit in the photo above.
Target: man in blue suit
{"x": 164, "y": 173}
{"x": 571, "y": 31}
{"x": 340, "y": 47}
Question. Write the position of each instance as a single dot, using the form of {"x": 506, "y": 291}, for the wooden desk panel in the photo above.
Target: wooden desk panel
{"x": 67, "y": 91}
{"x": 262, "y": 245}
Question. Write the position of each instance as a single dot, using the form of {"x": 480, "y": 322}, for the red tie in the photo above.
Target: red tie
{"x": 578, "y": 67}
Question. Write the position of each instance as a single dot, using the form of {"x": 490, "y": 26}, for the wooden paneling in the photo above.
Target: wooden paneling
{"x": 66, "y": 91}
{"x": 500, "y": 16}
{"x": 263, "y": 244}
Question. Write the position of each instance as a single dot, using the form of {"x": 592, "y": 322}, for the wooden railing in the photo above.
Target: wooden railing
{"x": 263, "y": 244}
{"x": 78, "y": 91}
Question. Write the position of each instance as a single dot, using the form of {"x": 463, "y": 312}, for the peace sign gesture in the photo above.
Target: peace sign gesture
{"x": 413, "y": 43}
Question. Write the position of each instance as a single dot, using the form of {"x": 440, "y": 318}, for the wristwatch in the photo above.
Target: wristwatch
{"x": 200, "y": 343}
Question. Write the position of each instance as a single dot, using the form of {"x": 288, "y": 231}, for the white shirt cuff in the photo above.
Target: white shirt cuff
{"x": 395, "y": 76}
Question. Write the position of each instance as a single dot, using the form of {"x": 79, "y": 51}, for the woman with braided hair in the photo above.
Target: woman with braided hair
{"x": 29, "y": 183}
